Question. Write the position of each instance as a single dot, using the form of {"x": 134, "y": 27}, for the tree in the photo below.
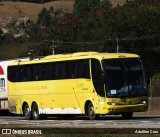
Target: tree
{"x": 35, "y": 34}
{"x": 45, "y": 18}
{"x": 41, "y": 32}
{"x": 105, "y": 4}
{"x": 155, "y": 85}
{"x": 82, "y": 6}
{"x": 1, "y": 35}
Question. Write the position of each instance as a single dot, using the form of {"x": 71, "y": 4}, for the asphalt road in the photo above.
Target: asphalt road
{"x": 110, "y": 124}
{"x": 109, "y": 121}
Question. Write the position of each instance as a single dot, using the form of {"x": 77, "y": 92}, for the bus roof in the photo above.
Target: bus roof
{"x": 92, "y": 55}
{"x": 78, "y": 55}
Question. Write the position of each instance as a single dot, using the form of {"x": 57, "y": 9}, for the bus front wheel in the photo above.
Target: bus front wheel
{"x": 90, "y": 112}
{"x": 27, "y": 112}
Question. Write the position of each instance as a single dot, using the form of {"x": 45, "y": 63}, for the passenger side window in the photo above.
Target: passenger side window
{"x": 37, "y": 72}
{"x": 26, "y": 74}
{"x": 14, "y": 73}
{"x": 70, "y": 69}
{"x": 50, "y": 71}
{"x": 83, "y": 69}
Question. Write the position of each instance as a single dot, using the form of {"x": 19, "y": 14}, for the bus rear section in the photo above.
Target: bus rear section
{"x": 3, "y": 82}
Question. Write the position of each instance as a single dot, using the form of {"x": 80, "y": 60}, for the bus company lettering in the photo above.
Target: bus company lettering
{"x": 79, "y": 85}
{"x": 42, "y": 87}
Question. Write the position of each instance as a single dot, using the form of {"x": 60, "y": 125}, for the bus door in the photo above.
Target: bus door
{"x": 82, "y": 85}
{"x": 97, "y": 80}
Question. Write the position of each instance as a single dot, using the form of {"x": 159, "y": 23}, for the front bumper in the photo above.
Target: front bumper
{"x": 110, "y": 109}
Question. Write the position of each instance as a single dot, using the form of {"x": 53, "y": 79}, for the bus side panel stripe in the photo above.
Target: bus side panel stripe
{"x": 60, "y": 111}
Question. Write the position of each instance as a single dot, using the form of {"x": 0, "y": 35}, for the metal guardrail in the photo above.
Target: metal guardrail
{"x": 153, "y": 107}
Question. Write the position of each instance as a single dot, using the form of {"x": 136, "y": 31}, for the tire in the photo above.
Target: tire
{"x": 127, "y": 115}
{"x": 90, "y": 112}
{"x": 35, "y": 112}
{"x": 27, "y": 112}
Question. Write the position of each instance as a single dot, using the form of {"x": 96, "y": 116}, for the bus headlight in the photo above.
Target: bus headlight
{"x": 112, "y": 103}
{"x": 143, "y": 102}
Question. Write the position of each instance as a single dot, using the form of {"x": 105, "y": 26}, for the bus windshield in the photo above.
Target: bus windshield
{"x": 124, "y": 78}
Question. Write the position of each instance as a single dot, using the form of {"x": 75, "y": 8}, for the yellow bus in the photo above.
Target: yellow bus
{"x": 88, "y": 83}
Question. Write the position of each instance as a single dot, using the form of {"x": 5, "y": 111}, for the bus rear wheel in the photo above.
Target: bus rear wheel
{"x": 90, "y": 112}
{"x": 27, "y": 112}
{"x": 35, "y": 112}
